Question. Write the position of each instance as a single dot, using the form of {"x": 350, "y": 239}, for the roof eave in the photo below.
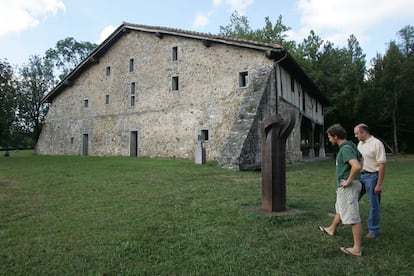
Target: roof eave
{"x": 272, "y": 51}
{"x": 290, "y": 64}
{"x": 93, "y": 58}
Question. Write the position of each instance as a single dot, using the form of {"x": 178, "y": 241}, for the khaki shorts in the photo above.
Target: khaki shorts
{"x": 347, "y": 203}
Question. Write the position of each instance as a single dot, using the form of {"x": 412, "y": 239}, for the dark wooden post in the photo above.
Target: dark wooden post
{"x": 275, "y": 131}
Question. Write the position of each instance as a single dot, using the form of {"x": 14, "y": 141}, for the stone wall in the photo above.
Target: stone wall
{"x": 209, "y": 100}
{"x": 167, "y": 122}
{"x": 242, "y": 150}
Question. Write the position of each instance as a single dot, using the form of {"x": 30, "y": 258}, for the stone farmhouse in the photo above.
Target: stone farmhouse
{"x": 157, "y": 91}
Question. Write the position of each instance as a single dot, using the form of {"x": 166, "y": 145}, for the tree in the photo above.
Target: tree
{"x": 405, "y": 106}
{"x": 338, "y": 73}
{"x": 310, "y": 48}
{"x": 406, "y": 120}
{"x": 36, "y": 81}
{"x": 392, "y": 81}
{"x": 387, "y": 80}
{"x": 239, "y": 27}
{"x": 37, "y": 78}
{"x": 406, "y": 36}
{"x": 67, "y": 54}
{"x": 275, "y": 34}
{"x": 355, "y": 72}
{"x": 308, "y": 54}
{"x": 7, "y": 102}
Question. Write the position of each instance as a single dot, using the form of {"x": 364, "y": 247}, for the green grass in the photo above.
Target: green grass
{"x": 64, "y": 215}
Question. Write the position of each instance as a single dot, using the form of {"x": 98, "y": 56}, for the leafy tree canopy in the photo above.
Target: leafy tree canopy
{"x": 67, "y": 54}
{"x": 7, "y": 102}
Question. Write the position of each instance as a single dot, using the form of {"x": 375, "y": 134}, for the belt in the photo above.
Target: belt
{"x": 366, "y": 172}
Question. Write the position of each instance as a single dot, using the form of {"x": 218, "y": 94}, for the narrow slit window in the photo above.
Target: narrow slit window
{"x": 175, "y": 84}
{"x": 304, "y": 103}
{"x": 108, "y": 70}
{"x": 244, "y": 79}
{"x": 132, "y": 100}
{"x": 292, "y": 84}
{"x": 107, "y": 99}
{"x": 131, "y": 65}
{"x": 175, "y": 53}
{"x": 85, "y": 103}
{"x": 132, "y": 87}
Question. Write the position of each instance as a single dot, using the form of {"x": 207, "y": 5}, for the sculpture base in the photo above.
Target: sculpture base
{"x": 287, "y": 212}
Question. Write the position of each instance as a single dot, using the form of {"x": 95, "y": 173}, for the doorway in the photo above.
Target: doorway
{"x": 133, "y": 144}
{"x": 85, "y": 141}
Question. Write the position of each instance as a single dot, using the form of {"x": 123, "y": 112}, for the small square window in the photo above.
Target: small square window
{"x": 132, "y": 100}
{"x": 175, "y": 53}
{"x": 131, "y": 65}
{"x": 108, "y": 70}
{"x": 132, "y": 87}
{"x": 244, "y": 79}
{"x": 175, "y": 85}
{"x": 106, "y": 99}
{"x": 85, "y": 103}
{"x": 204, "y": 134}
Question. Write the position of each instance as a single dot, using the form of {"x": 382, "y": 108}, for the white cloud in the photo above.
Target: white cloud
{"x": 19, "y": 15}
{"x": 201, "y": 20}
{"x": 108, "y": 30}
{"x": 217, "y": 3}
{"x": 239, "y": 5}
{"x": 338, "y": 19}
{"x": 234, "y": 5}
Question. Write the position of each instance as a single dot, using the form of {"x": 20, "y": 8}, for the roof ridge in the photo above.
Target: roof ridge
{"x": 206, "y": 35}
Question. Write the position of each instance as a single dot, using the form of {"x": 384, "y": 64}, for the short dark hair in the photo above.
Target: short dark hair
{"x": 337, "y": 130}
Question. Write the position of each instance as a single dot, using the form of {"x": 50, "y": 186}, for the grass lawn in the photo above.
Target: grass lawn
{"x": 64, "y": 215}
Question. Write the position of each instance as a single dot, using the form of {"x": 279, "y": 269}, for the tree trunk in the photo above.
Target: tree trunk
{"x": 394, "y": 124}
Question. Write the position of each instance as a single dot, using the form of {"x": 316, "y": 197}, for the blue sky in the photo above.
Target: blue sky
{"x": 29, "y": 27}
